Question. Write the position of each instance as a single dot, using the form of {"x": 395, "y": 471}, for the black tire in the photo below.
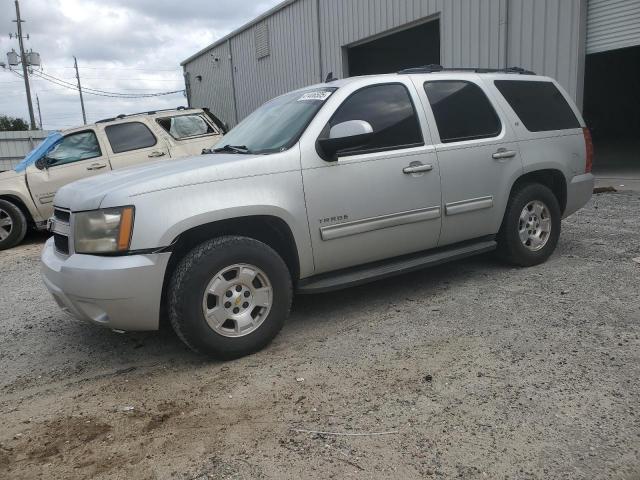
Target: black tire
{"x": 510, "y": 247}
{"x": 192, "y": 276}
{"x": 18, "y": 228}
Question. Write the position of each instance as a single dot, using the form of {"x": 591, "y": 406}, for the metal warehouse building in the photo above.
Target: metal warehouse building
{"x": 592, "y": 47}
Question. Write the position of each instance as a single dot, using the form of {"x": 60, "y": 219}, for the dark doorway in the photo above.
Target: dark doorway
{"x": 612, "y": 108}
{"x": 412, "y": 47}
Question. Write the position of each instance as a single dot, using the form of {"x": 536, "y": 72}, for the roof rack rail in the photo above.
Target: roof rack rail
{"x": 151, "y": 112}
{"x": 433, "y": 68}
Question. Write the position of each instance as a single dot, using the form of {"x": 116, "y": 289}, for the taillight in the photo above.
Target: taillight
{"x": 589, "y": 146}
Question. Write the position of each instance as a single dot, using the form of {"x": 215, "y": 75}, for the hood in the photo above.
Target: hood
{"x": 120, "y": 187}
{"x": 10, "y": 175}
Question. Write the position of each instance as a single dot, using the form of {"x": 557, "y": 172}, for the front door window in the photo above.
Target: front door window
{"x": 73, "y": 148}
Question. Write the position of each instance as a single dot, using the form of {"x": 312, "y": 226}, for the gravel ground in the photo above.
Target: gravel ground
{"x": 473, "y": 369}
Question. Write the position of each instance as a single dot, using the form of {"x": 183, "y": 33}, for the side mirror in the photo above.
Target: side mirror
{"x": 42, "y": 163}
{"x": 343, "y": 136}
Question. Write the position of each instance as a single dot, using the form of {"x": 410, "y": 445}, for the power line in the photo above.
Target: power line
{"x": 101, "y": 93}
{"x": 120, "y": 68}
{"x": 104, "y": 92}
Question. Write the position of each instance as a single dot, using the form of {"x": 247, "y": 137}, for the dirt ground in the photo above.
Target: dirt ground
{"x": 469, "y": 370}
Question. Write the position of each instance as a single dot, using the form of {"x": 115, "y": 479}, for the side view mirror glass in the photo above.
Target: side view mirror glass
{"x": 344, "y": 136}
{"x": 41, "y": 163}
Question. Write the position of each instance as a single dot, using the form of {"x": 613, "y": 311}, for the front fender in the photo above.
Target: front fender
{"x": 14, "y": 187}
{"x": 162, "y": 216}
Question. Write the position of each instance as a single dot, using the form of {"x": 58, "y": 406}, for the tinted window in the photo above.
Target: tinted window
{"x": 540, "y": 105}
{"x": 124, "y": 137}
{"x": 462, "y": 111}
{"x": 75, "y": 147}
{"x": 185, "y": 126}
{"x": 389, "y": 110}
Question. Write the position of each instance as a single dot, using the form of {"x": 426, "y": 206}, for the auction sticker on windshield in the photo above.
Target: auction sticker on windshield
{"x": 315, "y": 96}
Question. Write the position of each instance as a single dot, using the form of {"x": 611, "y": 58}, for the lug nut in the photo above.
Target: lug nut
{"x": 247, "y": 293}
{"x": 229, "y": 293}
{"x": 245, "y": 304}
{"x": 227, "y": 305}
{"x": 236, "y": 310}
{"x": 238, "y": 288}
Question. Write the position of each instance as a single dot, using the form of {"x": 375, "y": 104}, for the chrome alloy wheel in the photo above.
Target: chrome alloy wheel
{"x": 534, "y": 226}
{"x": 6, "y": 225}
{"x": 237, "y": 300}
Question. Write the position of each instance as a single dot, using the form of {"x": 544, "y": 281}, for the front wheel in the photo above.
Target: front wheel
{"x": 13, "y": 225}
{"x": 531, "y": 226}
{"x": 229, "y": 297}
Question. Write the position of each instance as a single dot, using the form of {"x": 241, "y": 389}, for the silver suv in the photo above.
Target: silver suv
{"x": 326, "y": 187}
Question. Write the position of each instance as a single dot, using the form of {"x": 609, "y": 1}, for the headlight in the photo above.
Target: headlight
{"x": 104, "y": 231}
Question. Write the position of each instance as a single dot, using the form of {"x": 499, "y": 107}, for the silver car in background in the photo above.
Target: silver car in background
{"x": 326, "y": 187}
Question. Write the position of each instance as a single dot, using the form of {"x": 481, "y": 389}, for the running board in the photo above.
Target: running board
{"x": 388, "y": 268}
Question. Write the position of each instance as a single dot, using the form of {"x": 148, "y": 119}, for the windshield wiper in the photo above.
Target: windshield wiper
{"x": 232, "y": 149}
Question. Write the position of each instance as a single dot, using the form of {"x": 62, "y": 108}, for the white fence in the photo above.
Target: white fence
{"x": 15, "y": 145}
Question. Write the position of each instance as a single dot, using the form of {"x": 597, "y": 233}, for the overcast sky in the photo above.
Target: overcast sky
{"x": 132, "y": 46}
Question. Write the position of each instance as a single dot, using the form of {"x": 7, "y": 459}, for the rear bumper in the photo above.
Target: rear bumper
{"x": 123, "y": 293}
{"x": 579, "y": 192}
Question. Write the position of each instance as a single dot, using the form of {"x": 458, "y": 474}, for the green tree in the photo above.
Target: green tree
{"x": 8, "y": 123}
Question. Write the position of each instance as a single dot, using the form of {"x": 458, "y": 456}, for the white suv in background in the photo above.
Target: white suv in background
{"x": 26, "y": 193}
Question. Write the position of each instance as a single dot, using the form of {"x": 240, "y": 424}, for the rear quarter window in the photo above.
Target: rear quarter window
{"x": 540, "y": 105}
{"x": 186, "y": 126}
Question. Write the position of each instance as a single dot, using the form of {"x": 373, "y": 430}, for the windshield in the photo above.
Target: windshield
{"x": 277, "y": 124}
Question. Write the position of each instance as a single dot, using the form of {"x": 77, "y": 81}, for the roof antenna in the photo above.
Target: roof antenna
{"x": 330, "y": 78}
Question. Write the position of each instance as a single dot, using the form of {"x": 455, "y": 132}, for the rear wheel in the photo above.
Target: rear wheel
{"x": 531, "y": 226}
{"x": 13, "y": 225}
{"x": 229, "y": 297}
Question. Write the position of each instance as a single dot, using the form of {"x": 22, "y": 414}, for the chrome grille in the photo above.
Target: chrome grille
{"x": 62, "y": 215}
{"x": 62, "y": 243}
{"x": 60, "y": 228}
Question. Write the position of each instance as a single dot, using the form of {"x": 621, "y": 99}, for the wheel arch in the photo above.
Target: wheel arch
{"x": 18, "y": 202}
{"x": 554, "y": 179}
{"x": 269, "y": 229}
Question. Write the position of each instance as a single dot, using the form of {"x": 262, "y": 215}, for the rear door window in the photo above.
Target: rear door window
{"x": 185, "y": 126}
{"x": 389, "y": 110}
{"x": 462, "y": 111}
{"x": 125, "y": 137}
{"x": 540, "y": 105}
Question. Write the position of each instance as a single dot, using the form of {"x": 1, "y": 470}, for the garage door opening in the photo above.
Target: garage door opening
{"x": 612, "y": 109}
{"x": 411, "y": 47}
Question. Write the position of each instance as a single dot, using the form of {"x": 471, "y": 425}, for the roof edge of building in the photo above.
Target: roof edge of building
{"x": 280, "y": 6}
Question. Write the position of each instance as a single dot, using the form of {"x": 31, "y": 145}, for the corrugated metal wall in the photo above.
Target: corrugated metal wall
{"x": 544, "y": 35}
{"x": 547, "y": 36}
{"x": 215, "y": 90}
{"x": 293, "y": 61}
{"x": 613, "y": 24}
{"x": 15, "y": 145}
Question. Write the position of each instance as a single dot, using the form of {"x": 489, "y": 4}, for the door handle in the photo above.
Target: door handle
{"x": 417, "y": 168}
{"x": 503, "y": 153}
{"x": 156, "y": 154}
{"x": 96, "y": 166}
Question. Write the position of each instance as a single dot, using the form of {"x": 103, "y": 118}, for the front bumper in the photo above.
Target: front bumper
{"x": 123, "y": 293}
{"x": 579, "y": 192}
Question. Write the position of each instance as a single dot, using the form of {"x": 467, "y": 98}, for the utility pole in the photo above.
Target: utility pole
{"x": 25, "y": 69}
{"x": 75, "y": 64}
{"x": 39, "y": 112}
